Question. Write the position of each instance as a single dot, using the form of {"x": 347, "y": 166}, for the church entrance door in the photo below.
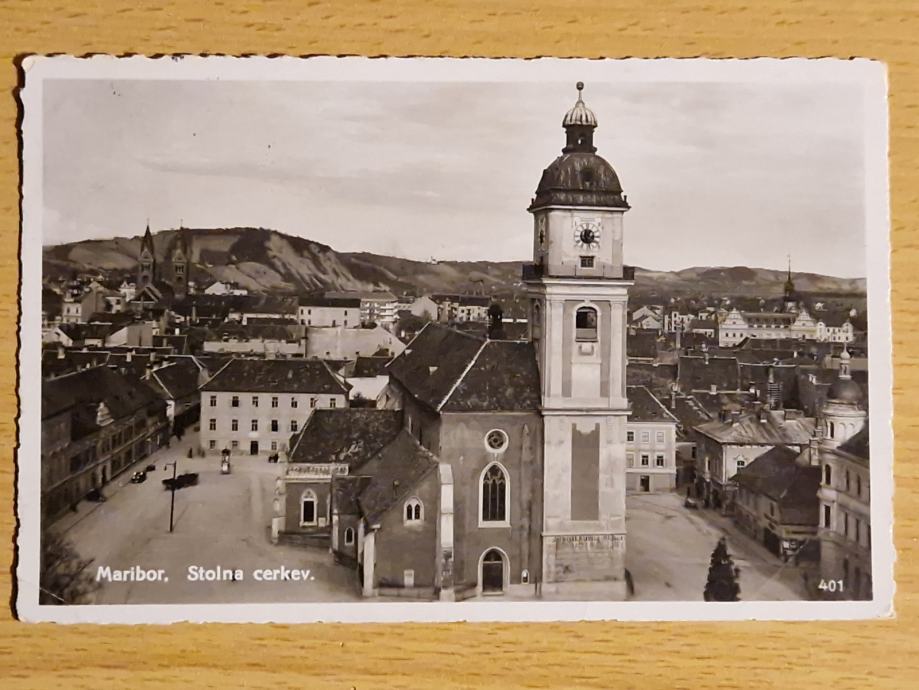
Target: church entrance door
{"x": 493, "y": 572}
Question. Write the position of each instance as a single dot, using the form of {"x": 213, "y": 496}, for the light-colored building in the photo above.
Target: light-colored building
{"x": 269, "y": 339}
{"x": 329, "y": 312}
{"x": 424, "y": 307}
{"x": 344, "y": 342}
{"x": 845, "y": 492}
{"x": 727, "y": 445}
{"x": 461, "y": 308}
{"x": 253, "y": 406}
{"x": 221, "y": 287}
{"x": 377, "y": 307}
{"x": 650, "y": 443}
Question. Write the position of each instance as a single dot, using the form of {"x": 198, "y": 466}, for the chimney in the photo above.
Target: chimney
{"x": 705, "y": 351}
{"x": 495, "y": 322}
{"x": 713, "y": 389}
{"x": 129, "y": 356}
{"x": 61, "y": 354}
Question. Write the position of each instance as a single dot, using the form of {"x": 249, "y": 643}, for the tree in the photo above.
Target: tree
{"x": 65, "y": 577}
{"x": 722, "y": 582}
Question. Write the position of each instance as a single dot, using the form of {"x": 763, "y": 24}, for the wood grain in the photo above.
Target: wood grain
{"x": 749, "y": 655}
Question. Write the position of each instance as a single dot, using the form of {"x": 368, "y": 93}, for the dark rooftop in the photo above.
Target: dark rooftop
{"x": 276, "y": 376}
{"x": 776, "y": 475}
{"x": 645, "y": 407}
{"x": 348, "y": 435}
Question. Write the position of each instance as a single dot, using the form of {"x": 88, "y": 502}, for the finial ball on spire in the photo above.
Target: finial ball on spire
{"x": 579, "y": 86}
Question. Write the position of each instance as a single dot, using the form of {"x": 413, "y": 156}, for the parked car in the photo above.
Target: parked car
{"x": 183, "y": 480}
{"x": 138, "y": 477}
{"x": 691, "y": 503}
{"x": 150, "y": 468}
{"x": 95, "y": 495}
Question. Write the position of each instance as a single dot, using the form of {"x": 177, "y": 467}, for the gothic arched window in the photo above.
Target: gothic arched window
{"x": 827, "y": 475}
{"x": 494, "y": 494}
{"x": 414, "y": 510}
{"x": 307, "y": 508}
{"x": 585, "y": 323}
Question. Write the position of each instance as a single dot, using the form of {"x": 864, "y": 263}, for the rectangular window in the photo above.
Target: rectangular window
{"x": 659, "y": 437}
{"x": 294, "y": 403}
{"x": 645, "y": 436}
{"x": 274, "y": 445}
{"x": 212, "y": 444}
{"x": 274, "y": 424}
{"x": 254, "y": 426}
{"x": 848, "y": 481}
{"x": 312, "y": 402}
{"x": 630, "y": 436}
{"x": 254, "y": 401}
{"x": 212, "y": 425}
{"x": 659, "y": 460}
{"x": 235, "y": 401}
{"x": 332, "y": 402}
{"x": 845, "y": 524}
{"x": 630, "y": 459}
{"x": 858, "y": 531}
{"x": 293, "y": 424}
{"x": 234, "y": 425}
{"x": 741, "y": 464}
{"x": 587, "y": 262}
{"x": 645, "y": 460}
{"x": 234, "y": 445}
{"x": 274, "y": 401}
{"x": 213, "y": 401}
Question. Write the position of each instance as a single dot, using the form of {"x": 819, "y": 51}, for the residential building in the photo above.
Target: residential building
{"x": 776, "y": 502}
{"x": 377, "y": 307}
{"x": 344, "y": 342}
{"x": 845, "y": 491}
{"x": 253, "y": 406}
{"x": 96, "y": 423}
{"x": 340, "y": 312}
{"x": 650, "y": 443}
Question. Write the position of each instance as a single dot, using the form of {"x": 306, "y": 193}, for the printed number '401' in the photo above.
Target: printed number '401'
{"x": 831, "y": 585}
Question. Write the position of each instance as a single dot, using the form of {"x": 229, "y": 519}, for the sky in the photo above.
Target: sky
{"x": 717, "y": 173}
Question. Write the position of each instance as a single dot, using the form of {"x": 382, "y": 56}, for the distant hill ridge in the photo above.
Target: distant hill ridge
{"x": 269, "y": 261}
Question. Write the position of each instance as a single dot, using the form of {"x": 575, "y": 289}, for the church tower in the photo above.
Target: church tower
{"x": 844, "y": 413}
{"x": 179, "y": 262}
{"x": 789, "y": 296}
{"x": 146, "y": 263}
{"x": 578, "y": 289}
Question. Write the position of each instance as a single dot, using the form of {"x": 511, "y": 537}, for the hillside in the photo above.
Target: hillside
{"x": 269, "y": 261}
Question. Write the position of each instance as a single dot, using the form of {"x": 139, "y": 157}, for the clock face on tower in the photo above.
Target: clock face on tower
{"x": 587, "y": 235}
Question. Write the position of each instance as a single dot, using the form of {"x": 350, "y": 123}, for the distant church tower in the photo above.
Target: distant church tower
{"x": 578, "y": 290}
{"x": 790, "y": 297}
{"x": 179, "y": 262}
{"x": 146, "y": 263}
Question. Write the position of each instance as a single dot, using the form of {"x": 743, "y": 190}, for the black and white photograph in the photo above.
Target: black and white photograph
{"x": 339, "y": 339}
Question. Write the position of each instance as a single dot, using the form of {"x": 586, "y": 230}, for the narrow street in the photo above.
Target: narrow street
{"x": 669, "y": 548}
{"x": 222, "y": 522}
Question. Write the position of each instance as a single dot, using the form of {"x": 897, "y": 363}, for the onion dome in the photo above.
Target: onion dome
{"x": 844, "y": 389}
{"x": 579, "y": 177}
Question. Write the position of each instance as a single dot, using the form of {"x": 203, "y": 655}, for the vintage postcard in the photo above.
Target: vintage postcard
{"x": 446, "y": 339}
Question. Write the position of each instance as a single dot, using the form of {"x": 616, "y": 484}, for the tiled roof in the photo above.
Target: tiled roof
{"x": 433, "y": 362}
{"x": 793, "y": 486}
{"x": 642, "y": 343}
{"x": 345, "y": 492}
{"x": 700, "y": 373}
{"x": 84, "y": 390}
{"x": 322, "y": 301}
{"x": 645, "y": 407}
{"x": 657, "y": 377}
{"x": 276, "y": 376}
{"x": 858, "y": 445}
{"x": 349, "y": 435}
{"x": 177, "y": 379}
{"x": 370, "y": 366}
{"x": 396, "y": 471}
{"x": 690, "y": 412}
{"x": 503, "y": 377}
{"x": 253, "y": 331}
{"x": 707, "y": 324}
{"x": 760, "y": 429}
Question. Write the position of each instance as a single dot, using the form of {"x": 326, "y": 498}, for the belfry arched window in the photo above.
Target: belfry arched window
{"x": 494, "y": 492}
{"x": 585, "y": 323}
{"x": 827, "y": 475}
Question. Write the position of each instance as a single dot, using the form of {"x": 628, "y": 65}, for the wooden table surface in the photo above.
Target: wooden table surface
{"x": 877, "y": 654}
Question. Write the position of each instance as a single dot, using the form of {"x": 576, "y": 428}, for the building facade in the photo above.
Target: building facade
{"x": 650, "y": 443}
{"x": 253, "y": 406}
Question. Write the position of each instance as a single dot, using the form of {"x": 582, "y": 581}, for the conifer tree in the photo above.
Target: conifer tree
{"x": 722, "y": 582}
